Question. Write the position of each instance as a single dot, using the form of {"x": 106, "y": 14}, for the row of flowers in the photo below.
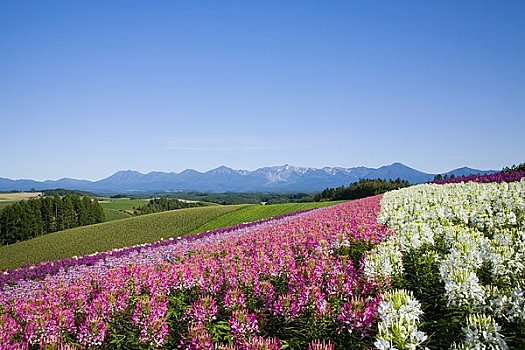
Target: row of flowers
{"x": 470, "y": 237}
{"x": 282, "y": 283}
{"x": 149, "y": 252}
{"x": 496, "y": 177}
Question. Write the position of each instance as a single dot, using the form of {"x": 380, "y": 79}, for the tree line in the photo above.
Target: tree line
{"x": 362, "y": 188}
{"x": 157, "y": 205}
{"x": 63, "y": 192}
{"x": 31, "y": 218}
{"x": 227, "y": 198}
{"x": 513, "y": 168}
{"x": 438, "y": 177}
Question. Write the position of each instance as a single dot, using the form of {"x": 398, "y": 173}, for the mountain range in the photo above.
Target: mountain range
{"x": 284, "y": 178}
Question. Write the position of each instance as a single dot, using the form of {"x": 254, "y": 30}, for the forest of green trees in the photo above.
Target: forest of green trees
{"x": 156, "y": 205}
{"x": 27, "y": 219}
{"x": 362, "y": 188}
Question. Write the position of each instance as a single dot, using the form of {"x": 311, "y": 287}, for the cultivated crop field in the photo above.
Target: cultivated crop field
{"x": 18, "y": 196}
{"x": 429, "y": 266}
{"x": 13, "y": 197}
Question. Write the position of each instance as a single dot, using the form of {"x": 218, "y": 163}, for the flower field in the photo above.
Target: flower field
{"x": 437, "y": 266}
{"x": 461, "y": 249}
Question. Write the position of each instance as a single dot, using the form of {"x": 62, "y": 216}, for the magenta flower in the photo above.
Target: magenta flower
{"x": 92, "y": 331}
{"x": 202, "y": 311}
{"x": 358, "y": 315}
{"x": 234, "y": 299}
{"x": 149, "y": 316}
{"x": 243, "y": 325}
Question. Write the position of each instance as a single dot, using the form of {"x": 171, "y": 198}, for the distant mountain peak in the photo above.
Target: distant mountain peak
{"x": 397, "y": 165}
{"x": 189, "y": 171}
{"x": 127, "y": 172}
{"x": 124, "y": 176}
{"x": 221, "y": 170}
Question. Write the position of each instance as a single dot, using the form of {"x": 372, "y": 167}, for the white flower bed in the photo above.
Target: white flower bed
{"x": 400, "y": 316}
{"x": 472, "y": 229}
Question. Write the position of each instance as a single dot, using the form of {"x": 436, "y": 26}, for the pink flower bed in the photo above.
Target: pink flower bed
{"x": 232, "y": 290}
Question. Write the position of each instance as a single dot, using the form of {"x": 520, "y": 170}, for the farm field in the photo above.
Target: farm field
{"x": 18, "y": 196}
{"x": 10, "y": 198}
{"x": 115, "y": 208}
{"x": 437, "y": 266}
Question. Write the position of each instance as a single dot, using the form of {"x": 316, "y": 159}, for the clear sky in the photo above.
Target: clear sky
{"x": 88, "y": 88}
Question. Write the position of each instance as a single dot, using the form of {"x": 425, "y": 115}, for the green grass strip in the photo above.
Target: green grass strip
{"x": 258, "y": 212}
{"x": 113, "y": 214}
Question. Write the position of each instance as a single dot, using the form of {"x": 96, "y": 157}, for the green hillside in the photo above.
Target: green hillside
{"x": 109, "y": 235}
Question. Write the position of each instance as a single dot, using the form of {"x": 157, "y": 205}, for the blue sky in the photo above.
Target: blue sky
{"x": 88, "y": 88}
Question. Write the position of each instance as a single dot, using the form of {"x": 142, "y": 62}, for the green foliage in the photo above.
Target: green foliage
{"x": 31, "y": 218}
{"x": 362, "y": 188}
